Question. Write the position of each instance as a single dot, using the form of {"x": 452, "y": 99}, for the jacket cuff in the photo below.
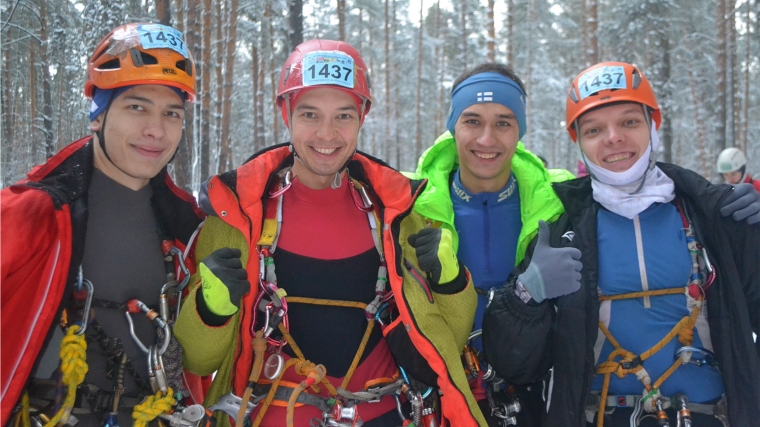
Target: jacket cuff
{"x": 455, "y": 286}
{"x": 525, "y": 311}
{"x": 205, "y": 313}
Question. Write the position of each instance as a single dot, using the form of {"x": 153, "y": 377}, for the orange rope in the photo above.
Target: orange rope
{"x": 272, "y": 390}
{"x": 328, "y": 302}
{"x": 642, "y": 294}
{"x": 684, "y": 330}
{"x": 358, "y": 355}
{"x": 259, "y": 348}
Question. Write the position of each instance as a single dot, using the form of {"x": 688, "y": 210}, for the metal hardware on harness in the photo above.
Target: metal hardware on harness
{"x": 136, "y": 306}
{"x": 273, "y": 366}
{"x": 662, "y": 417}
{"x": 683, "y": 413}
{"x": 708, "y": 357}
{"x": 343, "y": 415}
{"x": 428, "y": 418}
{"x": 505, "y": 412}
{"x": 190, "y": 416}
{"x": 87, "y": 302}
{"x": 230, "y": 405}
{"x": 157, "y": 371}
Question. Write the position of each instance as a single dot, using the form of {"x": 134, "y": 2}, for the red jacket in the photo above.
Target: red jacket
{"x": 755, "y": 182}
{"x": 43, "y": 221}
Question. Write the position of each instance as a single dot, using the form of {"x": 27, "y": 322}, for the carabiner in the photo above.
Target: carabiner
{"x": 87, "y": 303}
{"x": 136, "y": 306}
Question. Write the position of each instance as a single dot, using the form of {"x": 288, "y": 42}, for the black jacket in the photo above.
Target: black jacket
{"x": 561, "y": 333}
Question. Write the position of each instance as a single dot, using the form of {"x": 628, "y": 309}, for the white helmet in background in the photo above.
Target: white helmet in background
{"x": 731, "y": 160}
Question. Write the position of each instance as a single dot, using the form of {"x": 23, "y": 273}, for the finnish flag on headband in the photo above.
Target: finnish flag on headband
{"x": 485, "y": 96}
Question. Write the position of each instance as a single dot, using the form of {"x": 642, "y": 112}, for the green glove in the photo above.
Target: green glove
{"x": 435, "y": 254}
{"x": 224, "y": 281}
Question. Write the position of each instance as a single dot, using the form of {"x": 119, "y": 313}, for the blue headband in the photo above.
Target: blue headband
{"x": 101, "y": 97}
{"x": 488, "y": 87}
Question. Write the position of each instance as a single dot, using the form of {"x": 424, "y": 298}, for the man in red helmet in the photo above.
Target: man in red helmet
{"x": 103, "y": 211}
{"x": 368, "y": 308}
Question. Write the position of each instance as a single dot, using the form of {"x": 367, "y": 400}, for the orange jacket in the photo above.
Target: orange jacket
{"x": 236, "y": 197}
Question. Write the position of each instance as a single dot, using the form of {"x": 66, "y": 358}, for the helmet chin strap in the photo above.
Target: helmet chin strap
{"x": 652, "y": 161}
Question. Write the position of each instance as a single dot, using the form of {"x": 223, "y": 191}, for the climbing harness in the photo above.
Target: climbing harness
{"x": 270, "y": 313}
{"x": 701, "y": 278}
{"x": 502, "y": 399}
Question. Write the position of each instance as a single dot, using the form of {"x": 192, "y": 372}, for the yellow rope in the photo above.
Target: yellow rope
{"x": 153, "y": 406}
{"x": 74, "y": 368}
{"x": 22, "y": 419}
{"x": 358, "y": 355}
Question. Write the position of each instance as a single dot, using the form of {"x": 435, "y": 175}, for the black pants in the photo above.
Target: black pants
{"x": 621, "y": 418}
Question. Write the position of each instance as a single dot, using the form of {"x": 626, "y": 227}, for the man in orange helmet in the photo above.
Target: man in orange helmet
{"x": 660, "y": 330}
{"x": 101, "y": 217}
{"x": 367, "y": 306}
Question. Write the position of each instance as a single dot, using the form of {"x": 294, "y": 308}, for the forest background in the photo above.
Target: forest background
{"x": 701, "y": 55}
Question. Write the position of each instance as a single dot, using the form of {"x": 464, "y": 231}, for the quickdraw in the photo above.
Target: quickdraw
{"x": 701, "y": 278}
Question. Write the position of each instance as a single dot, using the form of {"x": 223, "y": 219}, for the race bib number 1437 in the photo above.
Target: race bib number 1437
{"x": 328, "y": 68}
{"x": 611, "y": 77}
{"x": 154, "y": 36}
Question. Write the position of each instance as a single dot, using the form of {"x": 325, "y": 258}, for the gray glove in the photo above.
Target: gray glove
{"x": 552, "y": 272}
{"x": 742, "y": 203}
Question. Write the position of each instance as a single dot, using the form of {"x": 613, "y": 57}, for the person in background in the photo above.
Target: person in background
{"x": 732, "y": 165}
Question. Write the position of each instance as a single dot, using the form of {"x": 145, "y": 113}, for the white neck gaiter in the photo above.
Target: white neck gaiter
{"x": 624, "y": 193}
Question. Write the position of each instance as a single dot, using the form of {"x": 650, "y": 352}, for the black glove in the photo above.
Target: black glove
{"x": 224, "y": 281}
{"x": 435, "y": 254}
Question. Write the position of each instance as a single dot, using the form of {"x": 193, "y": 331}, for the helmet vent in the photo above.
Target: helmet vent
{"x": 636, "y": 79}
{"x": 573, "y": 96}
{"x": 186, "y": 66}
{"x": 113, "y": 64}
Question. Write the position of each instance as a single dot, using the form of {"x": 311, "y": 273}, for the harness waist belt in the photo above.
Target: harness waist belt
{"x": 89, "y": 398}
{"x": 283, "y": 394}
{"x": 629, "y": 401}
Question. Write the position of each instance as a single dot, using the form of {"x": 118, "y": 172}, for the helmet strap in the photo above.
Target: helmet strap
{"x": 291, "y": 147}
{"x": 101, "y": 133}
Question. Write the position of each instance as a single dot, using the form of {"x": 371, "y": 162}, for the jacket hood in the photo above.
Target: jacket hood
{"x": 397, "y": 192}
{"x": 66, "y": 178}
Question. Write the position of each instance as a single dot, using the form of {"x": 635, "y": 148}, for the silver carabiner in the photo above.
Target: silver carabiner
{"x": 87, "y": 303}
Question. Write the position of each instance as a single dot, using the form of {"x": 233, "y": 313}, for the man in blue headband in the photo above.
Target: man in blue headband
{"x": 103, "y": 218}
{"x": 490, "y": 192}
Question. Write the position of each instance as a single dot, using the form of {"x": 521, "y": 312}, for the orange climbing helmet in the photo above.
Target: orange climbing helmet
{"x": 141, "y": 54}
{"x": 324, "y": 63}
{"x": 606, "y": 83}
